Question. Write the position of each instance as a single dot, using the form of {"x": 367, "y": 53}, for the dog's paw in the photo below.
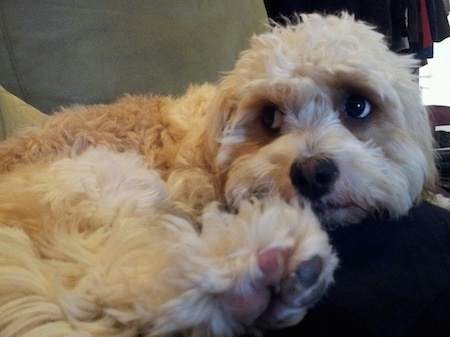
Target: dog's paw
{"x": 280, "y": 259}
{"x": 259, "y": 268}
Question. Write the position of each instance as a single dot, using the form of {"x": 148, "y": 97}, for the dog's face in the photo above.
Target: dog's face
{"x": 322, "y": 112}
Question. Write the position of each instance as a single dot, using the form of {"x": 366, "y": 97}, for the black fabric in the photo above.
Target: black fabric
{"x": 375, "y": 11}
{"x": 393, "y": 280}
{"x": 440, "y": 28}
{"x": 398, "y": 20}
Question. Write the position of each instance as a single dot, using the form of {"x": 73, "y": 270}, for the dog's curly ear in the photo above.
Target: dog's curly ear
{"x": 221, "y": 110}
{"x": 422, "y": 129}
{"x": 418, "y": 122}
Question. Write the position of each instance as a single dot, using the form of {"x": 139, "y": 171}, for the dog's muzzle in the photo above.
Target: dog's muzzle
{"x": 314, "y": 177}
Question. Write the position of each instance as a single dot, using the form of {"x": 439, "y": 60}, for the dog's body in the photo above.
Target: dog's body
{"x": 112, "y": 218}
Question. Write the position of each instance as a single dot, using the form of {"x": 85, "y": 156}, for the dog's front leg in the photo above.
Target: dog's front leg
{"x": 261, "y": 267}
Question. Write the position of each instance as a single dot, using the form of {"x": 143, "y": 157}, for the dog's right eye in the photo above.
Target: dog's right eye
{"x": 272, "y": 118}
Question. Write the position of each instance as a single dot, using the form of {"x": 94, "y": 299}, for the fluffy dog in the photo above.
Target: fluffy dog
{"x": 156, "y": 215}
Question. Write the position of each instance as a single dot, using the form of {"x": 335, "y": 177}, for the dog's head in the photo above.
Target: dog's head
{"x": 322, "y": 111}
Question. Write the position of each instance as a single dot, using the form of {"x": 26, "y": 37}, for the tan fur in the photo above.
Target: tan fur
{"x": 159, "y": 215}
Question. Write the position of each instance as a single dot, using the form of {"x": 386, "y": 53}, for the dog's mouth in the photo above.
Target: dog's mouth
{"x": 330, "y": 212}
{"x": 338, "y": 213}
{"x": 327, "y": 208}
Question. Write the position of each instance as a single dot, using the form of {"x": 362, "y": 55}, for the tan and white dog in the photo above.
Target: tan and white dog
{"x": 198, "y": 215}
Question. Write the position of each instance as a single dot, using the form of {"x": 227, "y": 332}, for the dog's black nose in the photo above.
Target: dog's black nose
{"x": 313, "y": 178}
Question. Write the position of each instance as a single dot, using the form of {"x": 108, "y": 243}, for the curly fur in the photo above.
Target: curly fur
{"x": 159, "y": 215}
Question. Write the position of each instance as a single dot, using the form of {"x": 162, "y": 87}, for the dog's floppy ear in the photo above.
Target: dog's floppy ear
{"x": 418, "y": 122}
{"x": 221, "y": 110}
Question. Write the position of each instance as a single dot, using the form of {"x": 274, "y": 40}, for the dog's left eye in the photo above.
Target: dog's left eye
{"x": 272, "y": 118}
{"x": 357, "y": 106}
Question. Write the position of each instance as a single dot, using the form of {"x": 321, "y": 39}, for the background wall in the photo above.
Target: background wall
{"x": 435, "y": 76}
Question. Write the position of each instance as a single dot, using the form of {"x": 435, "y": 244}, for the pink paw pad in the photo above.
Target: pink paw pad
{"x": 246, "y": 305}
{"x": 276, "y": 299}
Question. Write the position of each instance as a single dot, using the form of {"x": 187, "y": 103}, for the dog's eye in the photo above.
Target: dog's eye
{"x": 272, "y": 118}
{"x": 357, "y": 106}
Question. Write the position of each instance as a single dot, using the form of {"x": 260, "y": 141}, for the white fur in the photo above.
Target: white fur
{"x": 120, "y": 258}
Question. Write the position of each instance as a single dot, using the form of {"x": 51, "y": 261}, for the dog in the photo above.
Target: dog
{"x": 204, "y": 214}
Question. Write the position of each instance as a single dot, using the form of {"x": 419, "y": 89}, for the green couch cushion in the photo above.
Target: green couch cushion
{"x": 57, "y": 53}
